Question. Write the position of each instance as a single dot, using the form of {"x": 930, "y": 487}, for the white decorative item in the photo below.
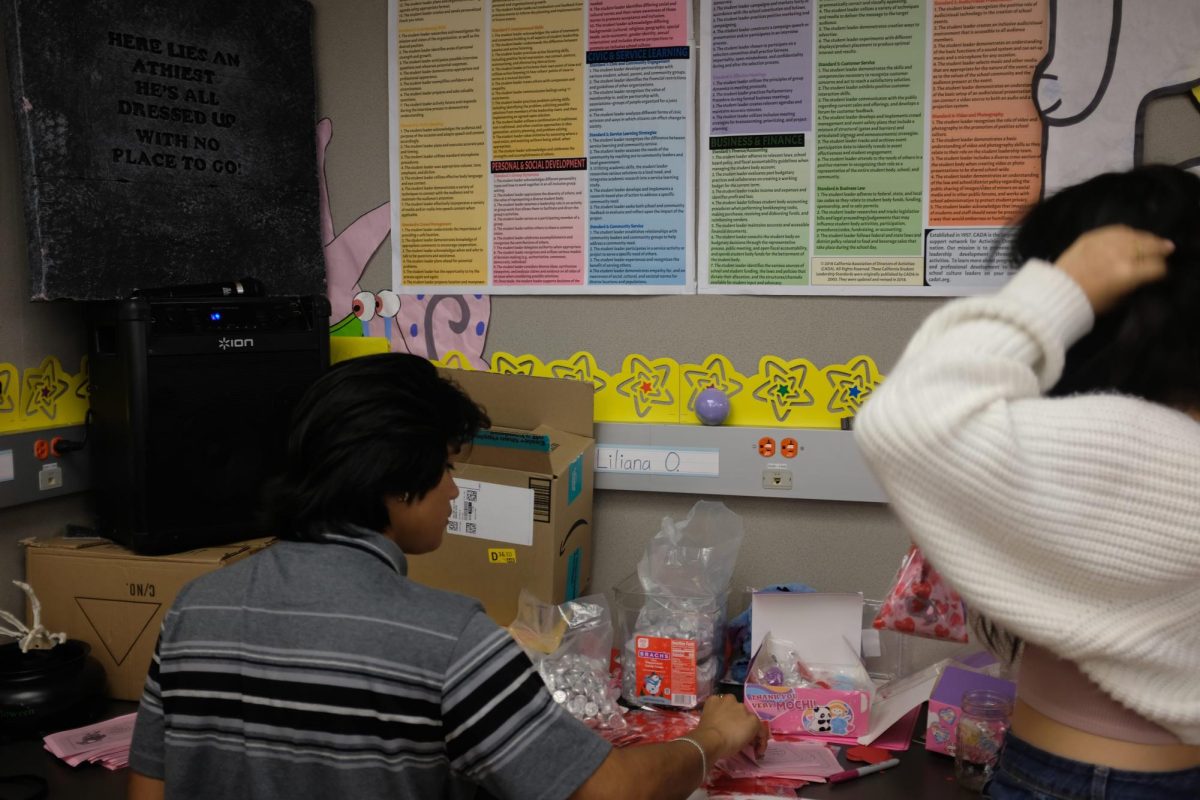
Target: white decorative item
{"x": 36, "y": 637}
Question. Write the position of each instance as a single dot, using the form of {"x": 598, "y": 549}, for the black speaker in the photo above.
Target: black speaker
{"x": 190, "y": 403}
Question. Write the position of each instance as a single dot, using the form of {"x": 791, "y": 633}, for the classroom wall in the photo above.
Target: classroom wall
{"x": 831, "y": 546}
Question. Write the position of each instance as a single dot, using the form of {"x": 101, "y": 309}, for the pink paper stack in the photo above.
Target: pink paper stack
{"x": 806, "y": 761}
{"x": 105, "y": 742}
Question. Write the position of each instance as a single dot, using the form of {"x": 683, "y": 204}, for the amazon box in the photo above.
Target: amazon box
{"x": 523, "y": 517}
{"x": 115, "y": 599}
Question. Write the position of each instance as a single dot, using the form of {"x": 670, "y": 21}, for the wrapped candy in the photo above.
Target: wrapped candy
{"x": 779, "y": 666}
{"x": 583, "y": 686}
{"x": 650, "y": 688}
{"x": 671, "y": 614}
{"x": 570, "y": 644}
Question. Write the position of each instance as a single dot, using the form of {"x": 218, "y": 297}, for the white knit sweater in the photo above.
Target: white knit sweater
{"x": 1072, "y": 522}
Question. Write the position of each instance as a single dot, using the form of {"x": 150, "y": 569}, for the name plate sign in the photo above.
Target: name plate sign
{"x": 639, "y": 459}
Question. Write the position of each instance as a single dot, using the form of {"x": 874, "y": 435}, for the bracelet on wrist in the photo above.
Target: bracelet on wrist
{"x": 703, "y": 757}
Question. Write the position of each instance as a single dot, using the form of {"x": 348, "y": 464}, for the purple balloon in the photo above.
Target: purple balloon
{"x": 712, "y": 406}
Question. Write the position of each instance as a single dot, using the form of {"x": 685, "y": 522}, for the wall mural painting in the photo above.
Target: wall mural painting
{"x": 1105, "y": 62}
{"x": 428, "y": 325}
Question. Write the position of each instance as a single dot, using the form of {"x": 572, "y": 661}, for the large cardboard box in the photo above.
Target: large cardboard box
{"x": 115, "y": 599}
{"x": 523, "y": 518}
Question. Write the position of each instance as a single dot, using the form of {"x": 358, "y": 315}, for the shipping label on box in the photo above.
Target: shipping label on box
{"x": 114, "y": 599}
{"x": 491, "y": 511}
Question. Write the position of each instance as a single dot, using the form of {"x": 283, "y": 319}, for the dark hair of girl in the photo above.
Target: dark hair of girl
{"x": 1149, "y": 344}
{"x": 370, "y": 428}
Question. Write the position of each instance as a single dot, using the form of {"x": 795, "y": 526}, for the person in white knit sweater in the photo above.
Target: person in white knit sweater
{"x": 1042, "y": 447}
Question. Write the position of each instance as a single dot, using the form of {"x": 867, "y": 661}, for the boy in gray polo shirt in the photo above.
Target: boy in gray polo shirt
{"x": 318, "y": 669}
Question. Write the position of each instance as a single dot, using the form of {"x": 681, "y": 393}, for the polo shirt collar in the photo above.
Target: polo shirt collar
{"x": 371, "y": 542}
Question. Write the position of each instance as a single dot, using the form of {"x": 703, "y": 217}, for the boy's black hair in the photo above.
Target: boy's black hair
{"x": 1149, "y": 344}
{"x": 370, "y": 428}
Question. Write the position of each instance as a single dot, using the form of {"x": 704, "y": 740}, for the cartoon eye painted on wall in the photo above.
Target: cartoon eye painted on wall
{"x": 364, "y": 306}
{"x": 387, "y": 303}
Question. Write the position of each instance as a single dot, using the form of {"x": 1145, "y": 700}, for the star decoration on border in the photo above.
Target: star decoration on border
{"x": 581, "y": 368}
{"x": 647, "y": 386}
{"x": 710, "y": 375}
{"x": 456, "y": 360}
{"x": 852, "y": 384}
{"x": 783, "y": 388}
{"x": 506, "y": 365}
{"x": 83, "y": 389}
{"x": 43, "y": 389}
{"x": 8, "y": 394}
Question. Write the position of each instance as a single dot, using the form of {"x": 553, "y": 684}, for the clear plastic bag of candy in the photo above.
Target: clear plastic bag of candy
{"x": 922, "y": 604}
{"x": 571, "y": 645}
{"x": 671, "y": 614}
{"x": 778, "y": 665}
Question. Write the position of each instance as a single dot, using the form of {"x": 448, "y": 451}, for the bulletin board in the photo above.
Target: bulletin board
{"x": 844, "y": 146}
{"x": 982, "y": 149}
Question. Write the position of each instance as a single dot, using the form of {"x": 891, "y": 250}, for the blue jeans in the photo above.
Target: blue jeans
{"x": 1026, "y": 772}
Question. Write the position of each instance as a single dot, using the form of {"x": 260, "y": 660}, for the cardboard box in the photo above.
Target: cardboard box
{"x": 115, "y": 599}
{"x": 945, "y": 702}
{"x": 523, "y": 518}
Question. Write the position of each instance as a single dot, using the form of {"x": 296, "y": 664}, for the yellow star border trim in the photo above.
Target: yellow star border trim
{"x": 780, "y": 392}
{"x": 45, "y": 396}
{"x": 792, "y": 392}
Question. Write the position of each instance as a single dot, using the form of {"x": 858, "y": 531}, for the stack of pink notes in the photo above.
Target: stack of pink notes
{"x": 105, "y": 742}
{"x": 796, "y": 760}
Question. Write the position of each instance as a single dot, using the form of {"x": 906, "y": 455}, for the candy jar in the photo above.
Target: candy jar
{"x": 981, "y": 731}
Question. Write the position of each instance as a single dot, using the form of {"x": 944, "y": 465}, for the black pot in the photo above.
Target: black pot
{"x": 44, "y": 691}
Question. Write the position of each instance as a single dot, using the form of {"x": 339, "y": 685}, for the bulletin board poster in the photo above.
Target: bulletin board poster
{"x": 866, "y": 147}
{"x": 542, "y": 146}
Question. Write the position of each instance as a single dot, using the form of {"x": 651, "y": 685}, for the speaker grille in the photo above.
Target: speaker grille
{"x": 188, "y": 434}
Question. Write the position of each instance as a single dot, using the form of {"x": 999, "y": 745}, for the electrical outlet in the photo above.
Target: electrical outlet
{"x": 22, "y": 479}
{"x": 777, "y": 479}
{"x": 50, "y": 477}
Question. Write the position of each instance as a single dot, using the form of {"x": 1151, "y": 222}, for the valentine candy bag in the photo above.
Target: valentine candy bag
{"x": 922, "y": 604}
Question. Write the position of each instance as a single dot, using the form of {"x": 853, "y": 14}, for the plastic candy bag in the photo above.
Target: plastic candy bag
{"x": 696, "y": 556}
{"x": 571, "y": 647}
{"x": 778, "y": 665}
{"x": 671, "y": 615}
{"x": 922, "y": 604}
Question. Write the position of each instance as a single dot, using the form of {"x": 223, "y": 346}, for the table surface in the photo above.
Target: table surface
{"x": 86, "y": 782}
{"x": 929, "y": 776}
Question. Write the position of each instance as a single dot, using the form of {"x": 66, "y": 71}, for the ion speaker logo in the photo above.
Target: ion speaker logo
{"x": 226, "y": 343}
